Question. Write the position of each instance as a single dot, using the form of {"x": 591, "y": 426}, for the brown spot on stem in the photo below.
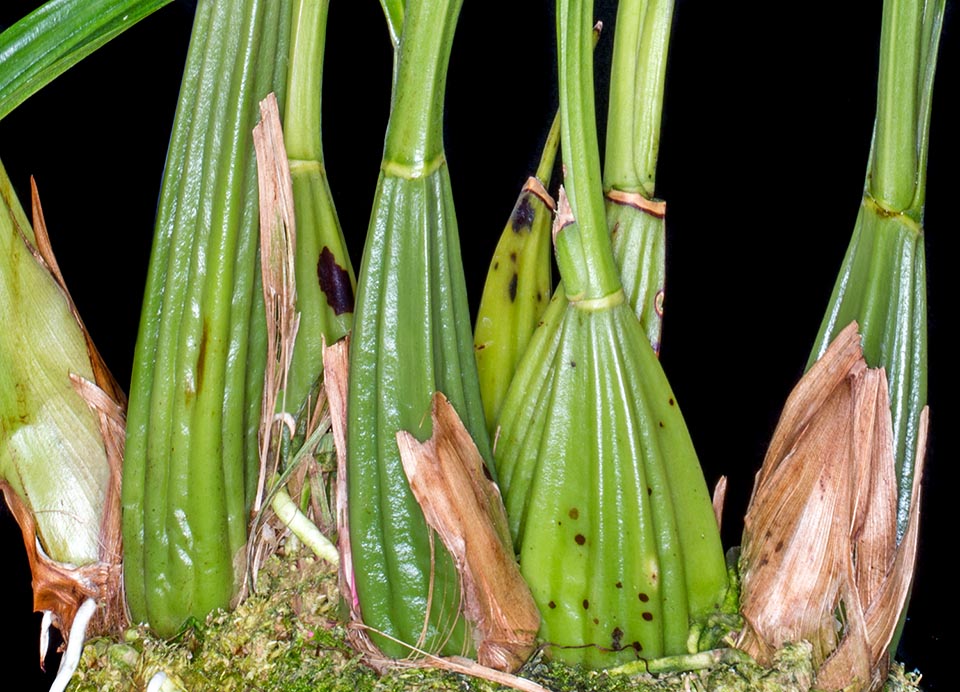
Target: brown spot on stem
{"x": 637, "y": 647}
{"x": 586, "y": 604}
{"x": 335, "y": 283}
{"x": 580, "y": 539}
{"x": 574, "y": 513}
{"x": 616, "y": 637}
{"x": 596, "y": 621}
{"x": 647, "y": 616}
{"x": 551, "y": 605}
{"x": 513, "y": 287}
{"x": 513, "y": 257}
{"x": 202, "y": 356}
{"x": 671, "y": 401}
{"x": 643, "y": 597}
{"x": 619, "y": 584}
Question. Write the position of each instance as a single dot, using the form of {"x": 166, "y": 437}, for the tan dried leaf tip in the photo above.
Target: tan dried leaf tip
{"x": 461, "y": 503}
{"x": 820, "y": 560}
{"x": 564, "y": 215}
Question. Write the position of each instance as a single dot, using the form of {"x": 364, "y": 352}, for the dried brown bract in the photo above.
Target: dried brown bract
{"x": 820, "y": 558}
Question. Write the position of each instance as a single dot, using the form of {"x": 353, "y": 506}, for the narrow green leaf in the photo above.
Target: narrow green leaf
{"x": 55, "y": 37}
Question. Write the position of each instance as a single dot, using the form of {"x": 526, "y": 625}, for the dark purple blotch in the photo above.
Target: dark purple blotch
{"x": 335, "y": 283}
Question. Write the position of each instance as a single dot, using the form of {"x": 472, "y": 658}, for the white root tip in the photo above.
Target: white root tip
{"x": 78, "y": 635}
{"x": 45, "y": 624}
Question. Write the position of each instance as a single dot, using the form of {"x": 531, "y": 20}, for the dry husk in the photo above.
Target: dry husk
{"x": 820, "y": 561}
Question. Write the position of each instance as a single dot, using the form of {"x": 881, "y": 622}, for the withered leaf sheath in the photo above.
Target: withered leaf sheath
{"x": 411, "y": 338}
{"x": 191, "y": 459}
{"x": 61, "y": 430}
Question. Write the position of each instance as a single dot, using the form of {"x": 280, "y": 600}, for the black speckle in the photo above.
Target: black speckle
{"x": 539, "y": 297}
{"x": 643, "y": 597}
{"x": 647, "y": 616}
{"x": 596, "y": 621}
{"x": 496, "y": 266}
{"x": 616, "y": 227}
{"x": 486, "y": 473}
{"x": 616, "y": 636}
{"x": 661, "y": 424}
{"x": 672, "y": 402}
{"x": 649, "y": 490}
{"x": 619, "y": 584}
{"x": 335, "y": 283}
{"x": 513, "y": 257}
{"x": 580, "y": 539}
{"x": 778, "y": 547}
{"x": 523, "y": 215}
{"x": 551, "y": 604}
{"x": 637, "y": 647}
{"x": 480, "y": 347}
{"x": 586, "y": 604}
{"x": 513, "y": 287}
{"x": 574, "y": 513}
{"x": 573, "y": 363}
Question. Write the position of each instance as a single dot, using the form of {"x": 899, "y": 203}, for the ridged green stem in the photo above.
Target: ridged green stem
{"x": 324, "y": 275}
{"x": 411, "y": 339}
{"x": 892, "y": 177}
{"x": 637, "y": 77}
{"x": 191, "y": 454}
{"x": 882, "y": 282}
{"x": 415, "y": 132}
{"x": 584, "y": 256}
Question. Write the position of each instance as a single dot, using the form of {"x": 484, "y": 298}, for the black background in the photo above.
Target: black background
{"x": 768, "y": 115}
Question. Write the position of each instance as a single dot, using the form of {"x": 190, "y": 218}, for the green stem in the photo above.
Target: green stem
{"x": 301, "y": 118}
{"x": 636, "y": 95}
{"x": 584, "y": 255}
{"x": 552, "y": 144}
{"x": 414, "y": 140}
{"x": 393, "y": 12}
{"x": 324, "y": 275}
{"x": 908, "y": 41}
{"x": 549, "y": 155}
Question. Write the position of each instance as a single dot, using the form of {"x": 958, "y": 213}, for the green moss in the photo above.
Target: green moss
{"x": 289, "y": 638}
